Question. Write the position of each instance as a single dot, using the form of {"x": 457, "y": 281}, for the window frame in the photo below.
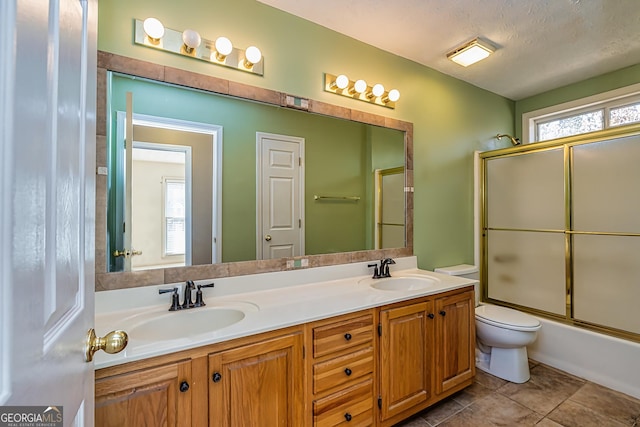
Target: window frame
{"x": 605, "y": 101}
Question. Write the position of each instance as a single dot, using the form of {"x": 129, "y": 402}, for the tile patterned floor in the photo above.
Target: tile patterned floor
{"x": 551, "y": 398}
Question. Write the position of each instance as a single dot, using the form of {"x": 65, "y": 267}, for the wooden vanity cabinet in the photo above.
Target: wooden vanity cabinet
{"x": 152, "y": 396}
{"x": 259, "y": 384}
{"x": 406, "y": 343}
{"x": 427, "y": 348}
{"x": 374, "y": 367}
{"x": 341, "y": 370}
{"x": 253, "y": 381}
{"x": 455, "y": 341}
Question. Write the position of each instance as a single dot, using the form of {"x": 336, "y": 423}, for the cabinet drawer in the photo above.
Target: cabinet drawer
{"x": 341, "y": 370}
{"x": 350, "y": 407}
{"x": 342, "y": 335}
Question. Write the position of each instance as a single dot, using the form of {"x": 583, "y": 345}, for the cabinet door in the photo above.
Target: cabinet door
{"x": 258, "y": 384}
{"x": 455, "y": 337}
{"x": 153, "y": 397}
{"x": 405, "y": 357}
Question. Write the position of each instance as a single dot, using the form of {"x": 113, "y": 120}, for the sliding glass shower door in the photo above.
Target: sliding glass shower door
{"x": 561, "y": 229}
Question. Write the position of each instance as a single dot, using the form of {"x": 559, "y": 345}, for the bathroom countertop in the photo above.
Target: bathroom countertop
{"x": 266, "y": 307}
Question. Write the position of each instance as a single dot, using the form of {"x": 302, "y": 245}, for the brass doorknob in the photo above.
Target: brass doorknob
{"x": 267, "y": 237}
{"x": 113, "y": 342}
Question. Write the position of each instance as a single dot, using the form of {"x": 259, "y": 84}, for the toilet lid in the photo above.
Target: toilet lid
{"x": 506, "y": 318}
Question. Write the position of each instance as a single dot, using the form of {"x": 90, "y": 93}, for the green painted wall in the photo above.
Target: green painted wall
{"x": 603, "y": 83}
{"x": 451, "y": 118}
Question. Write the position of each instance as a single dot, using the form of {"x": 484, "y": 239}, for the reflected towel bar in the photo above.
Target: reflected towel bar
{"x": 348, "y": 198}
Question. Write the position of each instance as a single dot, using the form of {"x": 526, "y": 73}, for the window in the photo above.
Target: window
{"x": 610, "y": 109}
{"x": 174, "y": 216}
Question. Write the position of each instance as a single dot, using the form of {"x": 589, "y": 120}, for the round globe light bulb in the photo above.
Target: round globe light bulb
{"x": 191, "y": 39}
{"x": 394, "y": 95}
{"x": 377, "y": 90}
{"x": 342, "y": 81}
{"x": 224, "y": 46}
{"x": 153, "y": 28}
{"x": 253, "y": 55}
{"x": 360, "y": 86}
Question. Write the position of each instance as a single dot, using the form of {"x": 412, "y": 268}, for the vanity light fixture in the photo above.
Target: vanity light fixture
{"x": 360, "y": 86}
{"x": 360, "y": 90}
{"x": 252, "y": 56}
{"x": 191, "y": 40}
{"x": 223, "y": 48}
{"x": 152, "y": 33}
{"x": 471, "y": 52}
{"x": 341, "y": 82}
{"x": 392, "y": 96}
{"x": 376, "y": 91}
{"x": 154, "y": 30}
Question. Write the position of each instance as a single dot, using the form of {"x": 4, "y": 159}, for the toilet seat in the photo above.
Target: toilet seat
{"x": 506, "y": 318}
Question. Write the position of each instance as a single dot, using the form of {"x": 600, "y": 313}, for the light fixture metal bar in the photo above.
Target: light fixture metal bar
{"x": 172, "y": 42}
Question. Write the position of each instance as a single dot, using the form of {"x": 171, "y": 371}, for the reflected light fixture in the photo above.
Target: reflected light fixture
{"x": 191, "y": 40}
{"x": 471, "y": 52}
{"x": 223, "y": 48}
{"x": 154, "y": 30}
{"x": 153, "y": 34}
{"x": 360, "y": 90}
{"x": 252, "y": 56}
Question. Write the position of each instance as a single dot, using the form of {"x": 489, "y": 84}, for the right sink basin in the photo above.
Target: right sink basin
{"x": 402, "y": 283}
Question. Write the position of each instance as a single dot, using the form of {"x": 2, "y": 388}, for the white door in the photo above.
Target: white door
{"x": 280, "y": 196}
{"x": 47, "y": 188}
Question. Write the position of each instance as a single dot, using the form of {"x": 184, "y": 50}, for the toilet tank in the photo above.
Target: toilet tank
{"x": 464, "y": 270}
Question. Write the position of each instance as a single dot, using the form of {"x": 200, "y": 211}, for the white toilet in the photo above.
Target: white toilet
{"x": 502, "y": 334}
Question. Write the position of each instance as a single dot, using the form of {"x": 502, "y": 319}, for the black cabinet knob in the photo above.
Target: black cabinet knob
{"x": 442, "y": 313}
{"x": 216, "y": 377}
{"x": 184, "y": 386}
{"x": 348, "y": 371}
{"x": 347, "y": 336}
{"x": 348, "y": 416}
{"x": 431, "y": 315}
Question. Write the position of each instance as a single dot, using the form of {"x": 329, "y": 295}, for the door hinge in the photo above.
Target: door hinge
{"x": 299, "y": 223}
{"x": 379, "y": 329}
{"x": 379, "y": 402}
{"x": 299, "y": 161}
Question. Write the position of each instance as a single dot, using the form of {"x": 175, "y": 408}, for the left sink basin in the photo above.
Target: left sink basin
{"x": 183, "y": 324}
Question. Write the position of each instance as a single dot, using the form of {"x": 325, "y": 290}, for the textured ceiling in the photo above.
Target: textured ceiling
{"x": 542, "y": 44}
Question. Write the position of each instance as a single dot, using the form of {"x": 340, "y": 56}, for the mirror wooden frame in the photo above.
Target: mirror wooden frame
{"x": 108, "y": 281}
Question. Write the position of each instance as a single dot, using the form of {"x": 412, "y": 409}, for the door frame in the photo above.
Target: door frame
{"x": 216, "y": 133}
{"x": 260, "y": 187}
{"x": 188, "y": 178}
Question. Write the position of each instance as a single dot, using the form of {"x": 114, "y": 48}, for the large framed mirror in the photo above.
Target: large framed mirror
{"x": 204, "y": 198}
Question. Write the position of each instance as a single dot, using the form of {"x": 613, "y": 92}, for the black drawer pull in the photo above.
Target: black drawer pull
{"x": 348, "y": 371}
{"x": 348, "y": 416}
{"x": 347, "y": 336}
{"x": 431, "y": 315}
{"x": 216, "y": 377}
{"x": 442, "y": 313}
{"x": 184, "y": 386}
